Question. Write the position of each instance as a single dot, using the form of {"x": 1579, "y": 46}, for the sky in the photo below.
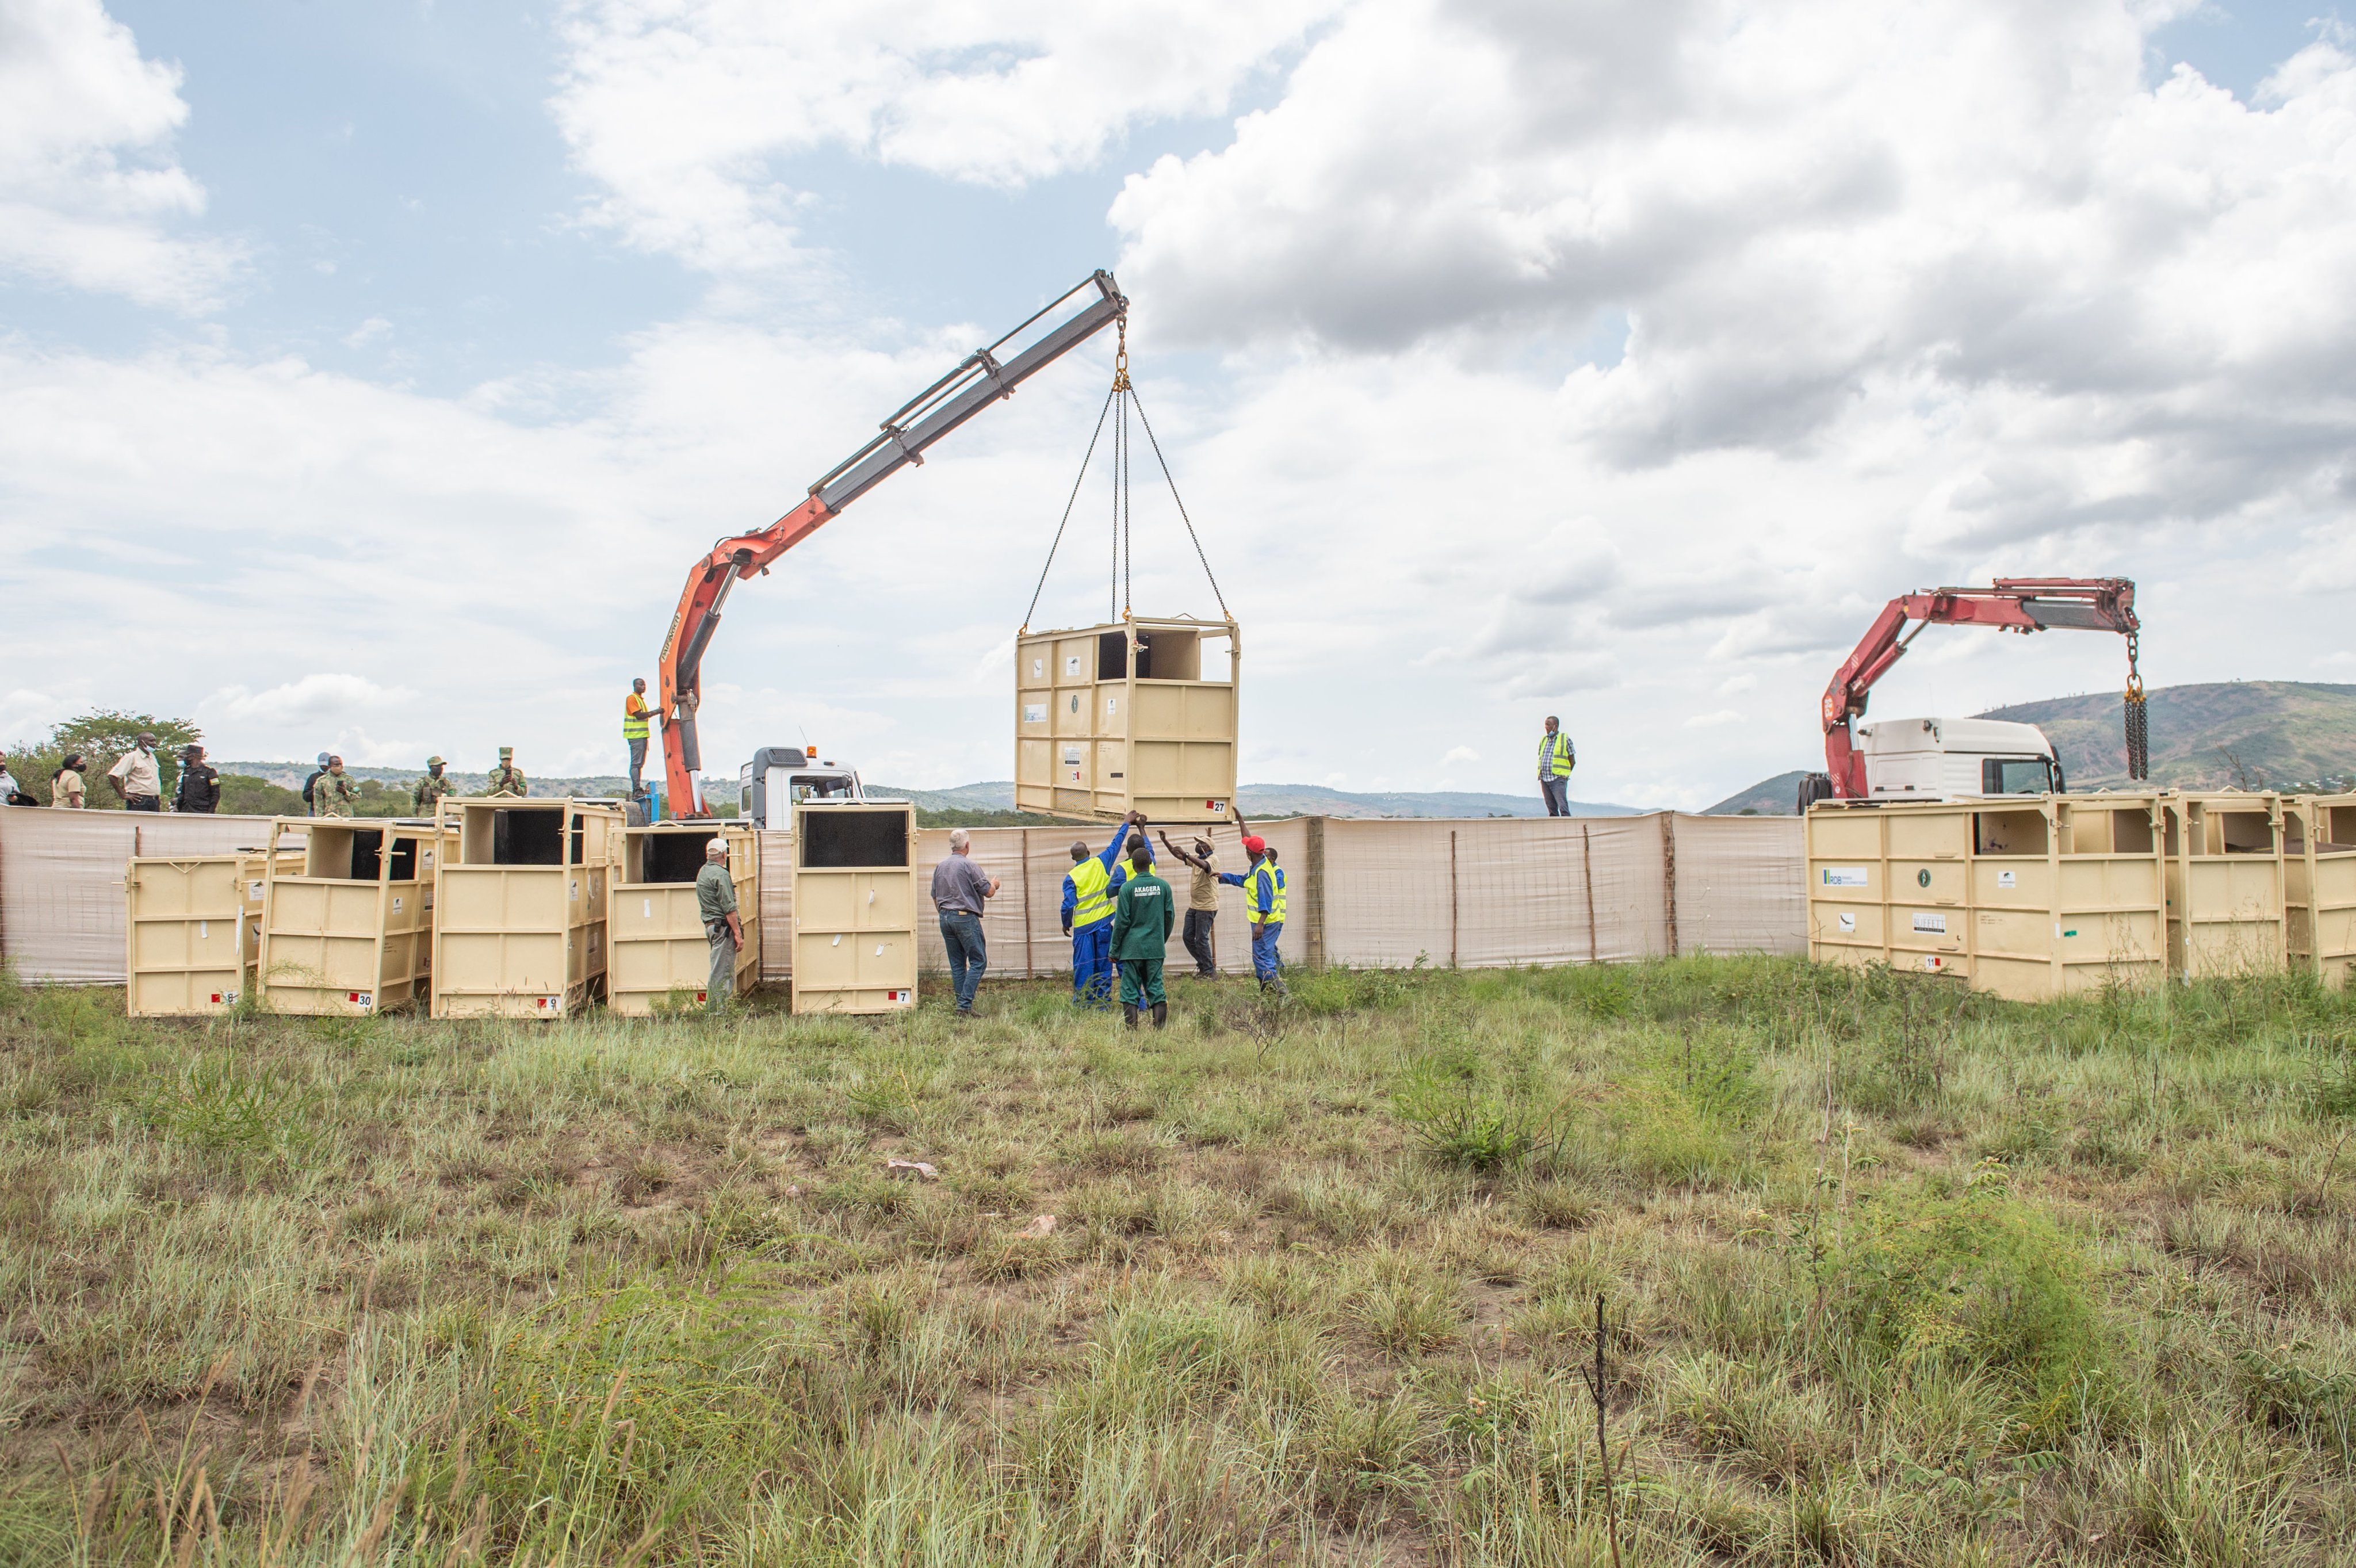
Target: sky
{"x": 371, "y": 376}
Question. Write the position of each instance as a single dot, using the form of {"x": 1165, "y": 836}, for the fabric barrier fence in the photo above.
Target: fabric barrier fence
{"x": 1367, "y": 894}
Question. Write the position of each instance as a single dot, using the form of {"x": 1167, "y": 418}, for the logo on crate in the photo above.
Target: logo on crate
{"x": 1847, "y": 921}
{"x": 1922, "y": 877}
{"x": 1845, "y": 876}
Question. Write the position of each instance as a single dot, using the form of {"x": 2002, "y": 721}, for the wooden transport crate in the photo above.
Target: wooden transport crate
{"x": 660, "y": 950}
{"x": 854, "y": 878}
{"x": 2320, "y": 886}
{"x": 2224, "y": 853}
{"x": 2025, "y": 896}
{"x": 347, "y": 928}
{"x": 2067, "y": 895}
{"x": 1137, "y": 715}
{"x": 184, "y": 942}
{"x": 520, "y": 906}
{"x": 1887, "y": 884}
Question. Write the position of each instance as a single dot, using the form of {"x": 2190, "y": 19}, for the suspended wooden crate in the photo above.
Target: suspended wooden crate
{"x": 854, "y": 880}
{"x": 1887, "y": 883}
{"x": 2224, "y": 853}
{"x": 184, "y": 942}
{"x": 660, "y": 950}
{"x": 347, "y": 928}
{"x": 2320, "y": 886}
{"x": 520, "y": 906}
{"x": 2067, "y": 895}
{"x": 1140, "y": 716}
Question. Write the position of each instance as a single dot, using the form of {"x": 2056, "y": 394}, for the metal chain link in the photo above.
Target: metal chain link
{"x": 2139, "y": 720}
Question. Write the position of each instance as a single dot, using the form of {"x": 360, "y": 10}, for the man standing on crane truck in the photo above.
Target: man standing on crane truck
{"x": 634, "y": 733}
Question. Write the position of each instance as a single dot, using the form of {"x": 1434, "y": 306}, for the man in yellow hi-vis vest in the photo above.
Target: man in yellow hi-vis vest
{"x": 1089, "y": 893}
{"x": 1557, "y": 757}
{"x": 634, "y": 731}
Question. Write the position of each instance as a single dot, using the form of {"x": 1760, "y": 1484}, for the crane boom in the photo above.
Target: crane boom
{"x": 982, "y": 378}
{"x": 2014, "y": 603}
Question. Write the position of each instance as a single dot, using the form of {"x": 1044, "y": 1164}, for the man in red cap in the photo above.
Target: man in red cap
{"x": 1263, "y": 887}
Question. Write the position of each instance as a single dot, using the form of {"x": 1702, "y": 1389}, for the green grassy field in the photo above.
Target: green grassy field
{"x": 1890, "y": 1275}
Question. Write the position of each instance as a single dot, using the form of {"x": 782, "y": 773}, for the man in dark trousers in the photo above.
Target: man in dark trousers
{"x": 1141, "y": 919}
{"x": 199, "y": 789}
{"x": 1203, "y": 900}
{"x": 1557, "y": 757}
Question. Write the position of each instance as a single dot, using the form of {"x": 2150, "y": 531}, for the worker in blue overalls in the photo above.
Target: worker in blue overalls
{"x": 1263, "y": 887}
{"x": 1089, "y": 894}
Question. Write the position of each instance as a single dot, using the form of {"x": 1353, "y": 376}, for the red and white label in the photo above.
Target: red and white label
{"x": 895, "y": 996}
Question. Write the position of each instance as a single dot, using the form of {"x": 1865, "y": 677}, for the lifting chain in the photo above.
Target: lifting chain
{"x": 1124, "y": 394}
{"x": 2139, "y": 721}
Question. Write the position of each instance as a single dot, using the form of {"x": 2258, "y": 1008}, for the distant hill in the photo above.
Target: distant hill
{"x": 2253, "y": 734}
{"x": 290, "y": 775}
{"x": 1289, "y": 800}
{"x": 2248, "y": 734}
{"x": 1776, "y": 797}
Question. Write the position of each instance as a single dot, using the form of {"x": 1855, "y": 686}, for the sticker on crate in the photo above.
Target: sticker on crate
{"x": 225, "y": 998}
{"x": 895, "y": 996}
{"x": 1216, "y": 807}
{"x": 1848, "y": 921}
{"x": 2007, "y": 879}
{"x": 545, "y": 1004}
{"x": 364, "y": 998}
{"x": 1035, "y": 713}
{"x": 1931, "y": 924}
{"x": 1935, "y": 960}
{"x": 396, "y": 906}
{"x": 1845, "y": 876}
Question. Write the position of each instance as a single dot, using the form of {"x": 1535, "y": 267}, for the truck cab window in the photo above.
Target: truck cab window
{"x": 2017, "y": 775}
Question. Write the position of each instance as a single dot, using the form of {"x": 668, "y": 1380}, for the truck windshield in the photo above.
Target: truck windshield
{"x": 2016, "y": 775}
{"x": 807, "y": 788}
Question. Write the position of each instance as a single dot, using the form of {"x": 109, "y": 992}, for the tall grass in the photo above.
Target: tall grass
{"x": 1893, "y": 1274}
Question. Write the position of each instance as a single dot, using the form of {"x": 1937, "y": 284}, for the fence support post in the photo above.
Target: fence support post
{"x": 1587, "y": 875}
{"x": 1452, "y": 897}
{"x": 1314, "y": 893}
{"x": 1669, "y": 874}
{"x": 1030, "y": 969}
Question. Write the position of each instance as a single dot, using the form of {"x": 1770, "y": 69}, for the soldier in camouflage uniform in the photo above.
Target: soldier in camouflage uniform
{"x": 331, "y": 792}
{"x": 432, "y": 788}
{"x": 507, "y": 778}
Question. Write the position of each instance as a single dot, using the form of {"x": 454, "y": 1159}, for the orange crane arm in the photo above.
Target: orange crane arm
{"x": 981, "y": 380}
{"x": 2014, "y": 603}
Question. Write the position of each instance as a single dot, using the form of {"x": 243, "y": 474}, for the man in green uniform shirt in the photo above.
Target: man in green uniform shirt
{"x": 432, "y": 788}
{"x": 331, "y": 793}
{"x": 1141, "y": 919}
{"x": 507, "y": 778}
{"x": 715, "y": 900}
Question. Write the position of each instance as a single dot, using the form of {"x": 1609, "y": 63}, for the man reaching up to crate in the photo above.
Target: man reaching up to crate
{"x": 1089, "y": 894}
{"x": 1141, "y": 919}
{"x": 715, "y": 900}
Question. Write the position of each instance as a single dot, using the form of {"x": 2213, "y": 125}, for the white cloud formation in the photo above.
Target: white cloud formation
{"x": 681, "y": 107}
{"x": 321, "y": 694}
{"x": 90, "y": 192}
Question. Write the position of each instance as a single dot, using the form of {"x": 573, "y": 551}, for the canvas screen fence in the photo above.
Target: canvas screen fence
{"x": 1484, "y": 894}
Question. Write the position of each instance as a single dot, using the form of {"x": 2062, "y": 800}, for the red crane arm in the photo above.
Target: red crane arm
{"x": 983, "y": 377}
{"x": 2014, "y": 603}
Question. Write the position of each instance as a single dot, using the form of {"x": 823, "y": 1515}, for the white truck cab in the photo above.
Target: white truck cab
{"x": 1944, "y": 759}
{"x": 780, "y": 777}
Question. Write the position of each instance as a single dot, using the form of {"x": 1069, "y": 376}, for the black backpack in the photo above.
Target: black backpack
{"x": 307, "y": 787}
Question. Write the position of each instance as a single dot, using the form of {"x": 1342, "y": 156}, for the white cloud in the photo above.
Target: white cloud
{"x": 319, "y": 695}
{"x": 1457, "y": 753}
{"x": 374, "y": 329}
{"x": 683, "y": 108}
{"x": 91, "y": 193}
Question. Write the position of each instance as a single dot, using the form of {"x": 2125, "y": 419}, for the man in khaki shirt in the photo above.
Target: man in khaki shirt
{"x": 1202, "y": 904}
{"x": 66, "y": 788}
{"x": 137, "y": 777}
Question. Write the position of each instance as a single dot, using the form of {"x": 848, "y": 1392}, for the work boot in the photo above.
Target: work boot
{"x": 1129, "y": 1014}
{"x": 1161, "y": 1014}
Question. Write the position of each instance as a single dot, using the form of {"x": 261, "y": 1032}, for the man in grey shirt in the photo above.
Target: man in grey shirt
{"x": 715, "y": 900}
{"x": 959, "y": 889}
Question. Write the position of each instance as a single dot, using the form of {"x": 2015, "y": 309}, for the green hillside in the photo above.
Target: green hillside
{"x": 2249, "y": 734}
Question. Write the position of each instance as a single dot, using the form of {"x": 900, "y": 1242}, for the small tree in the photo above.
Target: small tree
{"x": 103, "y": 736}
